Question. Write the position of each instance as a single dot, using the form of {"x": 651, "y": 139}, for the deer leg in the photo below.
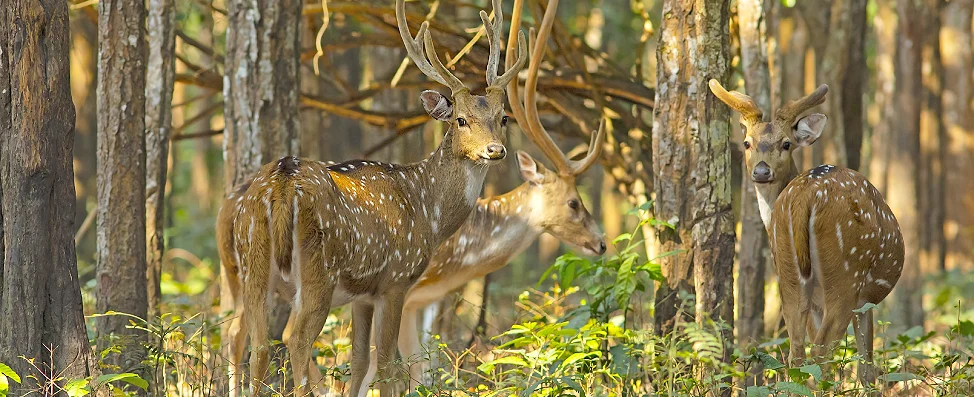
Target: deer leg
{"x": 238, "y": 342}
{"x": 796, "y": 321}
{"x": 862, "y": 324}
{"x": 409, "y": 347}
{"x": 361, "y": 346}
{"x": 257, "y": 327}
{"x": 390, "y": 317}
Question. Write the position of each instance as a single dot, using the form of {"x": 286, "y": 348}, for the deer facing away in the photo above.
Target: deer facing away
{"x": 836, "y": 245}
{"x": 359, "y": 232}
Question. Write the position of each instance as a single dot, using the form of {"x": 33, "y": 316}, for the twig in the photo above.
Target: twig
{"x": 200, "y": 134}
{"x": 208, "y": 112}
{"x": 89, "y": 220}
{"x": 325, "y": 16}
{"x": 199, "y": 46}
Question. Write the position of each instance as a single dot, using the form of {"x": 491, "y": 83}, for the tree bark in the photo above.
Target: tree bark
{"x": 903, "y": 167}
{"x": 121, "y": 267}
{"x": 932, "y": 146}
{"x": 958, "y": 61}
{"x": 40, "y": 299}
{"x": 884, "y": 24}
{"x": 260, "y": 92}
{"x": 754, "y": 256}
{"x": 692, "y": 160}
{"x": 853, "y": 83}
{"x": 160, "y": 72}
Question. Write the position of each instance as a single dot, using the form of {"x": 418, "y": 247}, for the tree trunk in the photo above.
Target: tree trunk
{"x": 884, "y": 24}
{"x": 260, "y": 94}
{"x": 958, "y": 61}
{"x": 852, "y": 85}
{"x": 903, "y": 167}
{"x": 692, "y": 160}
{"x": 160, "y": 72}
{"x": 121, "y": 267}
{"x": 932, "y": 146}
{"x": 40, "y": 299}
{"x": 754, "y": 255}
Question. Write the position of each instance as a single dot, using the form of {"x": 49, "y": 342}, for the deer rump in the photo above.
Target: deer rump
{"x": 320, "y": 214}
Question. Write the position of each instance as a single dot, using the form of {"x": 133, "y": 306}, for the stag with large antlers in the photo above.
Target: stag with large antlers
{"x": 503, "y": 226}
{"x": 836, "y": 244}
{"x": 359, "y": 232}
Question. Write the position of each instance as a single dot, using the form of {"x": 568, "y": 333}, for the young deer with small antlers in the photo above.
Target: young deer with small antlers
{"x": 836, "y": 245}
{"x": 359, "y": 232}
{"x": 503, "y": 226}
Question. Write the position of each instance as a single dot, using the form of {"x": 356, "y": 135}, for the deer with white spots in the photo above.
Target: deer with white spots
{"x": 503, "y": 226}
{"x": 359, "y": 232}
{"x": 836, "y": 245}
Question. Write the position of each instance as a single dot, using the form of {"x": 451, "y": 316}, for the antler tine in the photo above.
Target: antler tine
{"x": 533, "y": 128}
{"x": 414, "y": 47}
{"x": 737, "y": 101}
{"x": 793, "y": 109}
{"x": 513, "y": 96}
{"x": 594, "y": 151}
{"x": 453, "y": 82}
{"x": 494, "y": 39}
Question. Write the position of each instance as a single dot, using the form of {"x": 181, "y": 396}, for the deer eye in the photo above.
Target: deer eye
{"x": 747, "y": 145}
{"x": 504, "y": 120}
{"x": 461, "y": 121}
{"x": 786, "y": 145}
{"x": 573, "y": 204}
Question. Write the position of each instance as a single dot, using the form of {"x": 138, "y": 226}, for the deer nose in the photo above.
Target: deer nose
{"x": 761, "y": 173}
{"x": 601, "y": 247}
{"x": 496, "y": 151}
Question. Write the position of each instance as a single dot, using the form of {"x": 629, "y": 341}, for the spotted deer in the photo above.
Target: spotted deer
{"x": 503, "y": 226}
{"x": 359, "y": 232}
{"x": 836, "y": 245}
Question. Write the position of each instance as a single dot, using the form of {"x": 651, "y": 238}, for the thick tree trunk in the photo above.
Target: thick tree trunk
{"x": 692, "y": 160}
{"x": 40, "y": 299}
{"x": 754, "y": 256}
{"x": 903, "y": 167}
{"x": 121, "y": 273}
{"x": 260, "y": 92}
{"x": 160, "y": 72}
{"x": 932, "y": 146}
{"x": 958, "y": 61}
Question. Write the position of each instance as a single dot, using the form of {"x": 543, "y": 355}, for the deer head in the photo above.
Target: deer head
{"x": 558, "y": 204}
{"x": 476, "y": 121}
{"x": 769, "y": 146}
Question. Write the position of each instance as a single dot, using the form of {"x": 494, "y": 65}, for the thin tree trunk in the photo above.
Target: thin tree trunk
{"x": 932, "y": 146}
{"x": 754, "y": 255}
{"x": 903, "y": 165}
{"x": 121, "y": 273}
{"x": 160, "y": 72}
{"x": 692, "y": 160}
{"x": 853, "y": 82}
{"x": 958, "y": 61}
{"x": 884, "y": 24}
{"x": 40, "y": 299}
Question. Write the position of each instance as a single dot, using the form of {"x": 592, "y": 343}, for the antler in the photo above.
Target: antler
{"x": 737, "y": 101}
{"x": 494, "y": 33}
{"x": 414, "y": 47}
{"x": 793, "y": 109}
{"x": 527, "y": 115}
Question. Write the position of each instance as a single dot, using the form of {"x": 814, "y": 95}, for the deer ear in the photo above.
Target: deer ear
{"x": 437, "y": 105}
{"x": 531, "y": 171}
{"x": 809, "y": 128}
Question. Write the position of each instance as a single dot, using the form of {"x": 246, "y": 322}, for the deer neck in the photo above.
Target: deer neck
{"x": 500, "y": 228}
{"x": 448, "y": 188}
{"x": 767, "y": 193}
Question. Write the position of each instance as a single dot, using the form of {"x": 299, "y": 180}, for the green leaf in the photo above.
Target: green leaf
{"x": 655, "y": 271}
{"x": 5, "y": 370}
{"x": 812, "y": 369}
{"x": 127, "y": 377}
{"x": 770, "y": 363}
{"x": 965, "y": 328}
{"x": 622, "y": 237}
{"x": 758, "y": 391}
{"x": 572, "y": 359}
{"x": 865, "y": 308}
{"x": 900, "y": 377}
{"x": 792, "y": 387}
{"x": 773, "y": 342}
{"x": 488, "y": 367}
{"x": 77, "y": 387}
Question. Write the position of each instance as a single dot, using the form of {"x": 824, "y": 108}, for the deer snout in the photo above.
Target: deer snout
{"x": 762, "y": 173}
{"x": 601, "y": 249}
{"x": 495, "y": 151}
